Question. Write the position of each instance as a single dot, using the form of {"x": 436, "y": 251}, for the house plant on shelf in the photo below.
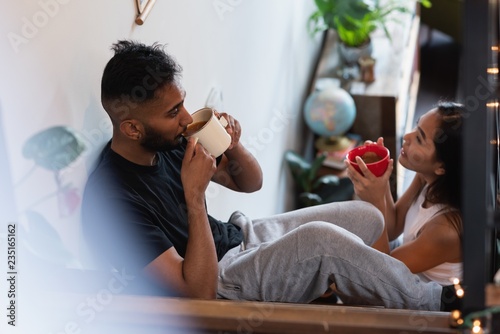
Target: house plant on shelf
{"x": 355, "y": 20}
{"x": 313, "y": 188}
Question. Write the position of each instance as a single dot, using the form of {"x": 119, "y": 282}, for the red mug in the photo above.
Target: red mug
{"x": 376, "y": 158}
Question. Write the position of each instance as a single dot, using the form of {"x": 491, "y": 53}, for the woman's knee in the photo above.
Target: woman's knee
{"x": 369, "y": 213}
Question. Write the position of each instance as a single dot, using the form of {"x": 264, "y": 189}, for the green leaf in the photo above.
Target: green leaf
{"x": 326, "y": 180}
{"x": 54, "y": 148}
{"x": 316, "y": 164}
{"x": 310, "y": 199}
{"x": 426, "y": 3}
{"x": 296, "y": 163}
{"x": 299, "y": 168}
{"x": 324, "y": 5}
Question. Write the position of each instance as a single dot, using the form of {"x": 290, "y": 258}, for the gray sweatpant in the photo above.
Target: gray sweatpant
{"x": 296, "y": 256}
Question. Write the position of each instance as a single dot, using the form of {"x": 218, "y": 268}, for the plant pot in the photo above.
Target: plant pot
{"x": 351, "y": 54}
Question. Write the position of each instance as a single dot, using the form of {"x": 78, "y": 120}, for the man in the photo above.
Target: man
{"x": 144, "y": 210}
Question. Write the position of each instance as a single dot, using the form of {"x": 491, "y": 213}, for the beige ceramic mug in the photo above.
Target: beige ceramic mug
{"x": 210, "y": 131}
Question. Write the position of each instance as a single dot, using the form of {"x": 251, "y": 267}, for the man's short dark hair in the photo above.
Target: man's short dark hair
{"x": 136, "y": 71}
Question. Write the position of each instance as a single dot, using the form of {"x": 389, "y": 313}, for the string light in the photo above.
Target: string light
{"x": 459, "y": 291}
{"x": 492, "y": 70}
{"x": 480, "y": 322}
{"x": 456, "y": 318}
{"x": 476, "y": 327}
{"x": 477, "y": 322}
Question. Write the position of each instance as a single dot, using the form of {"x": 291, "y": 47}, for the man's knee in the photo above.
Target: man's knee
{"x": 319, "y": 232}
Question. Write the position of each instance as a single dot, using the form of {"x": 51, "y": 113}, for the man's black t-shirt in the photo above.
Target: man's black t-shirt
{"x": 132, "y": 214}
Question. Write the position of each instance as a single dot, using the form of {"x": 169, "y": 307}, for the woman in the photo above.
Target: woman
{"x": 428, "y": 213}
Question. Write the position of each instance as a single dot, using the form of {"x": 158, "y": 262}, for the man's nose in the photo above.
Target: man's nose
{"x": 186, "y": 118}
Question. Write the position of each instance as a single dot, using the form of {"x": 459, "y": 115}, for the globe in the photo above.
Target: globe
{"x": 330, "y": 112}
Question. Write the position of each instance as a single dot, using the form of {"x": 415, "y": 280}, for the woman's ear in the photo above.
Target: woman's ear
{"x": 132, "y": 129}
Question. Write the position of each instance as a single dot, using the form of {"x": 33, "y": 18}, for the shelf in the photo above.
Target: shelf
{"x": 385, "y": 107}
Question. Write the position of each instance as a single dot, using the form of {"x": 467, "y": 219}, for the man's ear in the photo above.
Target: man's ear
{"x": 132, "y": 129}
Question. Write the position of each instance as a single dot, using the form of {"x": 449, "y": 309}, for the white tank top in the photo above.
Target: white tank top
{"x": 416, "y": 217}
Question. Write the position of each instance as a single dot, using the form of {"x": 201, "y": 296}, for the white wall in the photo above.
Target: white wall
{"x": 53, "y": 52}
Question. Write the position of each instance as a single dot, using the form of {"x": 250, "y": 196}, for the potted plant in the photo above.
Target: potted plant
{"x": 313, "y": 188}
{"x": 355, "y": 20}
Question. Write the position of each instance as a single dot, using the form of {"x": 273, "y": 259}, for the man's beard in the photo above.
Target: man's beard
{"x": 155, "y": 142}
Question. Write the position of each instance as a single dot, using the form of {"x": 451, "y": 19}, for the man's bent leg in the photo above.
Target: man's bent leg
{"x": 299, "y": 267}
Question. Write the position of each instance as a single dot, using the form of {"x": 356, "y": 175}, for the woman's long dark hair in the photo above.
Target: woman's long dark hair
{"x": 447, "y": 188}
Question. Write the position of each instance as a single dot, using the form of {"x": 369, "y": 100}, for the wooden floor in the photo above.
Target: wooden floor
{"x": 138, "y": 314}
{"x": 92, "y": 303}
